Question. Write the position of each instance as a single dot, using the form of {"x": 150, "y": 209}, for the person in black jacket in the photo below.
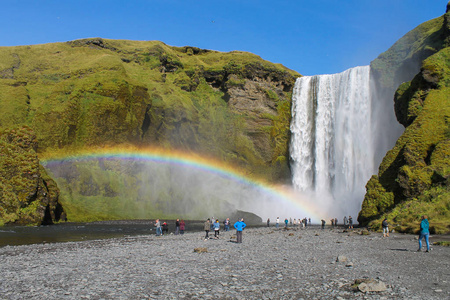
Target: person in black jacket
{"x": 385, "y": 226}
{"x": 177, "y": 227}
{"x": 165, "y": 228}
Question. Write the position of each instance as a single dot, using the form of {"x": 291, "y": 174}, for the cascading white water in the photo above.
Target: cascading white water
{"x": 331, "y": 143}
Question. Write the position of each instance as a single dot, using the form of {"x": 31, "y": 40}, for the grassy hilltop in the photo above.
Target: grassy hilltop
{"x": 91, "y": 93}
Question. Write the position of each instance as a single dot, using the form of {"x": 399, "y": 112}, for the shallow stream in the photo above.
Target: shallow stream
{"x": 71, "y": 232}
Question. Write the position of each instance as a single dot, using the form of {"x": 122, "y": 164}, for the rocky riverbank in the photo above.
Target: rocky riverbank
{"x": 269, "y": 264}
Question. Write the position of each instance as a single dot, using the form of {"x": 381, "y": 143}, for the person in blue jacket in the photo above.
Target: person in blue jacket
{"x": 216, "y": 229}
{"x": 424, "y": 233}
{"x": 239, "y": 225}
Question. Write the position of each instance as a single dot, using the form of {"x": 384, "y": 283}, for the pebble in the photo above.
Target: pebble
{"x": 265, "y": 266}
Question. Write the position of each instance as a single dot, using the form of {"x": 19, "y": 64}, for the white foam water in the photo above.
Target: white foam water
{"x": 332, "y": 142}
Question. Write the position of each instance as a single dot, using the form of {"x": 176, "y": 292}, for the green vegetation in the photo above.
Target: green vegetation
{"x": 25, "y": 189}
{"x": 442, "y": 243}
{"x": 97, "y": 92}
{"x": 413, "y": 178}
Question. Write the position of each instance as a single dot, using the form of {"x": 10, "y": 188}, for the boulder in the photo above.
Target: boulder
{"x": 342, "y": 258}
{"x": 370, "y": 285}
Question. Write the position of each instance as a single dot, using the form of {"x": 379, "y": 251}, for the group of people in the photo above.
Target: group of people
{"x": 424, "y": 231}
{"x": 213, "y": 224}
{"x": 348, "y": 223}
{"x": 163, "y": 228}
{"x": 303, "y": 222}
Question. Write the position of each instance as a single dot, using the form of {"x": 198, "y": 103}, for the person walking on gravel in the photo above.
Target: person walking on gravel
{"x": 207, "y": 227}
{"x": 239, "y": 225}
{"x": 226, "y": 224}
{"x": 177, "y": 227}
{"x": 158, "y": 227}
{"x": 424, "y": 233}
{"x": 216, "y": 229}
{"x": 385, "y": 226}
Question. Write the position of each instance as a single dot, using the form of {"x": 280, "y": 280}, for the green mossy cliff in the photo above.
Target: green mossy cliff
{"x": 27, "y": 194}
{"x": 413, "y": 178}
{"x": 87, "y": 93}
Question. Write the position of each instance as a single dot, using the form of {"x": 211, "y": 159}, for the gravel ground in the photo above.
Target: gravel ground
{"x": 269, "y": 264}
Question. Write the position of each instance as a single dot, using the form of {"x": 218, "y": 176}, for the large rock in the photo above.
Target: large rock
{"x": 370, "y": 285}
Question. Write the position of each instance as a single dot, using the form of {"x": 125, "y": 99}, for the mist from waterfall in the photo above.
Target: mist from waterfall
{"x": 334, "y": 139}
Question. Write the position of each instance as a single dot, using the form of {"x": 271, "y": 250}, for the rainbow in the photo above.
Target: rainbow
{"x": 285, "y": 195}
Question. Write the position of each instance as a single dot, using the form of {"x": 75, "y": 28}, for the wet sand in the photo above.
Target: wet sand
{"x": 269, "y": 264}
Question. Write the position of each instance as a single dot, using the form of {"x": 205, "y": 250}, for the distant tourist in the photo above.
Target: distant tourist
{"x": 182, "y": 226}
{"x": 239, "y": 225}
{"x": 177, "y": 227}
{"x": 286, "y": 223}
{"x": 290, "y": 221}
{"x": 213, "y": 220}
{"x": 350, "y": 222}
{"x": 158, "y": 227}
{"x": 323, "y": 224}
{"x": 207, "y": 227}
{"x": 216, "y": 229}
{"x": 165, "y": 228}
{"x": 268, "y": 222}
{"x": 309, "y": 220}
{"x": 345, "y": 222}
{"x": 277, "y": 222}
{"x": 226, "y": 224}
{"x": 385, "y": 226}
{"x": 335, "y": 222}
{"x": 295, "y": 222}
{"x": 424, "y": 233}
{"x": 332, "y": 222}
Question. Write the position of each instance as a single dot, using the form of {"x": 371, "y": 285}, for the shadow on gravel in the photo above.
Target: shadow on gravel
{"x": 404, "y": 250}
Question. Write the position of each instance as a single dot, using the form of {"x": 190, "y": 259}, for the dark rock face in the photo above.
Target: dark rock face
{"x": 257, "y": 97}
{"x": 408, "y": 103}
{"x": 28, "y": 195}
{"x": 95, "y": 43}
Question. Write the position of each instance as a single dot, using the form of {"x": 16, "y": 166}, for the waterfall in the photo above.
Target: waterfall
{"x": 332, "y": 144}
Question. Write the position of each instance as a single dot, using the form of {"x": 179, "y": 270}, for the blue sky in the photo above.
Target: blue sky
{"x": 309, "y": 36}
